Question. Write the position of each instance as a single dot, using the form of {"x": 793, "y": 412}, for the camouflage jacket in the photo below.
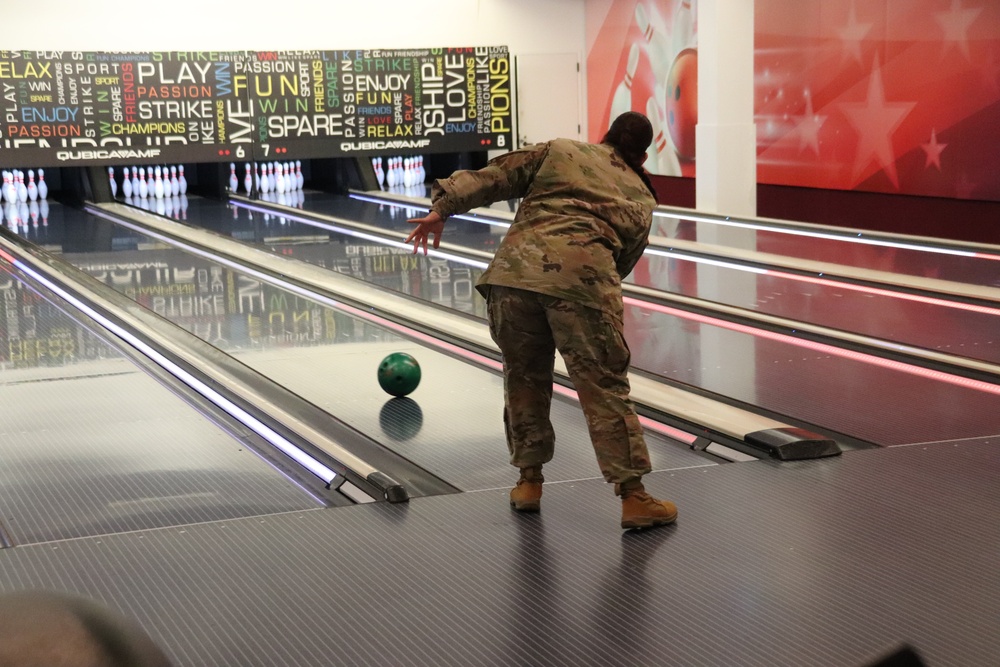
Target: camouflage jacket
{"x": 581, "y": 227}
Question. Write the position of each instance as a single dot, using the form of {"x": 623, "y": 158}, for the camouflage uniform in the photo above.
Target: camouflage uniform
{"x": 555, "y": 283}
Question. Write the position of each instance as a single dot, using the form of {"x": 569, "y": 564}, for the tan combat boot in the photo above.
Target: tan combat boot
{"x": 527, "y": 495}
{"x": 641, "y": 510}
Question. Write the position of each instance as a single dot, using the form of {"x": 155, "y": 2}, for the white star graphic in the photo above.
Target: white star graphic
{"x": 955, "y": 24}
{"x": 875, "y": 120}
{"x": 933, "y": 150}
{"x": 852, "y": 35}
{"x": 808, "y": 128}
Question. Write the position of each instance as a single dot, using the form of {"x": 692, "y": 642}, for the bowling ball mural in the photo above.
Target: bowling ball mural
{"x": 681, "y": 102}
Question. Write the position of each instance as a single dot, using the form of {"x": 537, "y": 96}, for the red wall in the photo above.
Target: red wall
{"x": 955, "y": 219}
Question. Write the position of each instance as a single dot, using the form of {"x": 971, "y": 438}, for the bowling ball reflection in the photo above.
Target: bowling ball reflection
{"x": 401, "y": 418}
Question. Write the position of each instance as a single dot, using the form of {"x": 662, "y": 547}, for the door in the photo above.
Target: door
{"x": 548, "y": 97}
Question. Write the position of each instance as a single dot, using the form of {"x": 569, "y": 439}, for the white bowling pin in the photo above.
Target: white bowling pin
{"x": 43, "y": 187}
{"x": 5, "y": 193}
{"x": 111, "y": 179}
{"x": 657, "y": 46}
{"x": 681, "y": 31}
{"x": 248, "y": 178}
{"x": 150, "y": 182}
{"x": 126, "y": 186}
{"x": 663, "y": 157}
{"x": 135, "y": 182}
{"x": 265, "y": 185}
{"x": 175, "y": 186}
{"x": 299, "y": 178}
{"x": 182, "y": 182}
{"x": 279, "y": 178}
{"x": 390, "y": 173}
{"x": 158, "y": 188}
{"x": 234, "y": 183}
{"x": 622, "y": 99}
{"x": 410, "y": 172}
{"x": 143, "y": 183}
{"x": 22, "y": 189}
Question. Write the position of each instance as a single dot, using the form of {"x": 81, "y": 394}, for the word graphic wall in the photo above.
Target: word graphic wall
{"x": 61, "y": 108}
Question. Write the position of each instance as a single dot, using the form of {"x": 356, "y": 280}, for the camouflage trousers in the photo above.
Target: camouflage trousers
{"x": 529, "y": 327}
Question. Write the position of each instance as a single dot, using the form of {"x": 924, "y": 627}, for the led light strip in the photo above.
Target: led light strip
{"x": 673, "y": 254}
{"x": 251, "y": 422}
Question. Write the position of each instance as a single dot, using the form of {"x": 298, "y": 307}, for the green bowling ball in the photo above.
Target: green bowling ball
{"x": 399, "y": 374}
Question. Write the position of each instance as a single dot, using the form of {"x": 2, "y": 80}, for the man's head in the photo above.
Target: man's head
{"x": 631, "y": 133}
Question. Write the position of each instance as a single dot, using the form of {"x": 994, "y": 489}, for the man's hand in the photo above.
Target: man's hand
{"x": 426, "y": 226}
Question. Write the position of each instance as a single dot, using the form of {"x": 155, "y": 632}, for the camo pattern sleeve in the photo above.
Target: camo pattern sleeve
{"x": 582, "y": 224}
{"x": 505, "y": 177}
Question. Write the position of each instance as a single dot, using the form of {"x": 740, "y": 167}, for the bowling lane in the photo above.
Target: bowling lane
{"x": 975, "y": 264}
{"x": 962, "y": 329}
{"x": 922, "y": 257}
{"x": 451, "y": 425}
{"x": 864, "y": 397}
{"x": 93, "y": 445}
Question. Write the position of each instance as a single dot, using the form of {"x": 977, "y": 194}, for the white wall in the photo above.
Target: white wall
{"x": 526, "y": 26}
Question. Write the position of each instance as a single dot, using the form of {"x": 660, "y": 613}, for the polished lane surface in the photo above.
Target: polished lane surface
{"x": 868, "y": 398}
{"x": 925, "y": 321}
{"x": 92, "y": 445}
{"x": 450, "y": 425}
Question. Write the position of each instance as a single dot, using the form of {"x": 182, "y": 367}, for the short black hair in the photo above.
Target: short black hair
{"x": 631, "y": 134}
